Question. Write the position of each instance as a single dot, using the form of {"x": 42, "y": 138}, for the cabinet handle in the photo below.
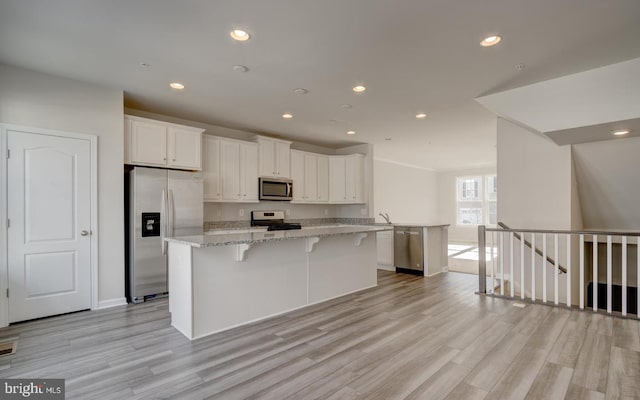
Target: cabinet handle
{"x": 165, "y": 159}
{"x": 245, "y": 194}
{"x": 174, "y": 159}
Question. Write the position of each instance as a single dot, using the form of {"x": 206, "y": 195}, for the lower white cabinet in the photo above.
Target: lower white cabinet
{"x": 230, "y": 170}
{"x": 384, "y": 247}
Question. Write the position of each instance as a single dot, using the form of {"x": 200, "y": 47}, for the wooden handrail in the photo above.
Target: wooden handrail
{"x": 538, "y": 251}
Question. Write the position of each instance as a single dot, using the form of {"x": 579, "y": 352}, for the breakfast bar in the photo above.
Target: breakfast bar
{"x": 220, "y": 281}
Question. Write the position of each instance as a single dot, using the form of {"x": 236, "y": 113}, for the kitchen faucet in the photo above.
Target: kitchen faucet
{"x": 386, "y": 217}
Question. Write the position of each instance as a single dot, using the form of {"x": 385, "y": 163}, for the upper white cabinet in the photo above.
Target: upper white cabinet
{"x": 211, "y": 168}
{"x": 238, "y": 178}
{"x": 273, "y": 157}
{"x": 305, "y": 173}
{"x": 162, "y": 144}
{"x": 346, "y": 179}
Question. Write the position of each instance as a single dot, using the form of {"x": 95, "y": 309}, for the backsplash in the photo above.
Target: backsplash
{"x": 208, "y": 225}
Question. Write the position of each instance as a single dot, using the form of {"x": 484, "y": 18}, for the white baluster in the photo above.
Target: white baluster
{"x": 511, "y": 279}
{"x": 502, "y": 263}
{"x": 533, "y": 266}
{"x": 555, "y": 270}
{"x": 582, "y": 272}
{"x": 609, "y": 267}
{"x": 568, "y": 270}
{"x": 544, "y": 267}
{"x": 624, "y": 275}
{"x": 594, "y": 283}
{"x": 522, "y": 265}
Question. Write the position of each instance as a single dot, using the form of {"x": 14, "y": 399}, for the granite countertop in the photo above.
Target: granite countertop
{"x": 225, "y": 238}
{"x": 412, "y": 224}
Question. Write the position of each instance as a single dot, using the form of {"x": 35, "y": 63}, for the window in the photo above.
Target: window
{"x": 476, "y": 198}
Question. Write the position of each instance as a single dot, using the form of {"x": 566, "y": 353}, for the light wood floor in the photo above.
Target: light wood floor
{"x": 409, "y": 338}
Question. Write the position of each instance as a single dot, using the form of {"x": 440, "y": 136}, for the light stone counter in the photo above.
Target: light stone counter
{"x": 257, "y": 235}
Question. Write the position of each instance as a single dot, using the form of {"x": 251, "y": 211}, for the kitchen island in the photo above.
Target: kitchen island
{"x": 219, "y": 281}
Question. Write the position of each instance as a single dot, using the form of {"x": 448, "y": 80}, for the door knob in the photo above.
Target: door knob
{"x": 84, "y": 233}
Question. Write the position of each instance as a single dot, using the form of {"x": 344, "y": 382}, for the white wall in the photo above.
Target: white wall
{"x": 608, "y": 184}
{"x": 408, "y": 194}
{"x": 44, "y": 101}
{"x": 447, "y": 202}
{"x": 534, "y": 178}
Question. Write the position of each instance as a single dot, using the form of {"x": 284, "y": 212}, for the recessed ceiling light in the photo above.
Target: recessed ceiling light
{"x": 387, "y": 139}
{"x": 421, "y": 115}
{"x": 490, "y": 41}
{"x": 346, "y": 106}
{"x": 351, "y": 132}
{"x": 287, "y": 115}
{"x": 176, "y": 85}
{"x": 300, "y": 91}
{"x": 240, "y": 35}
{"x": 359, "y": 89}
{"x": 240, "y": 68}
{"x": 620, "y": 132}
{"x": 145, "y": 65}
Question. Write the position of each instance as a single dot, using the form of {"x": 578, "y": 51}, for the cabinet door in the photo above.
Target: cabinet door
{"x": 249, "y": 168}
{"x": 282, "y": 154}
{"x": 185, "y": 148}
{"x": 148, "y": 143}
{"x": 211, "y": 168}
{"x": 337, "y": 182}
{"x": 323, "y": 179}
{"x": 230, "y": 170}
{"x": 297, "y": 175}
{"x": 310, "y": 177}
{"x": 354, "y": 179}
{"x": 267, "y": 158}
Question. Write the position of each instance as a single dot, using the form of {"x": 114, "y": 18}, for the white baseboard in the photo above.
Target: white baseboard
{"x": 387, "y": 267}
{"x": 102, "y": 304}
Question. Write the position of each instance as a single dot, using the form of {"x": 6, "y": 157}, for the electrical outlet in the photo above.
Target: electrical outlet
{"x": 218, "y": 213}
{"x": 241, "y": 212}
{"x": 363, "y": 211}
{"x": 287, "y": 212}
{"x": 326, "y": 211}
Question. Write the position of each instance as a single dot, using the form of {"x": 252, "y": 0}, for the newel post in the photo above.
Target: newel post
{"x": 482, "y": 260}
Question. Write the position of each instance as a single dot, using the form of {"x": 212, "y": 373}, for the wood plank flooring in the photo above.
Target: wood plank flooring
{"x": 408, "y": 338}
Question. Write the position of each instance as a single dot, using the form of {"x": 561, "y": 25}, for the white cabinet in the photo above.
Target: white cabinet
{"x": 337, "y": 179}
{"x": 384, "y": 241}
{"x": 162, "y": 144}
{"x": 310, "y": 174}
{"x": 355, "y": 178}
{"x": 346, "y": 179}
{"x": 323, "y": 178}
{"x": 274, "y": 157}
{"x": 238, "y": 171}
{"x": 211, "y": 168}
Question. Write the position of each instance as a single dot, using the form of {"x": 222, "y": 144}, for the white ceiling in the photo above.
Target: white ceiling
{"x": 413, "y": 55}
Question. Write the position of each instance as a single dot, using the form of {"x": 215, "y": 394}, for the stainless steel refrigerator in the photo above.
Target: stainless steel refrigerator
{"x": 162, "y": 203}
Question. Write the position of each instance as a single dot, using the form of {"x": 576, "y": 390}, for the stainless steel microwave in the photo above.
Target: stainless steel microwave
{"x": 276, "y": 189}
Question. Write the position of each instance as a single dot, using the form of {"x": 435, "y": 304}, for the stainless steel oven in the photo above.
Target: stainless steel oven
{"x": 276, "y": 189}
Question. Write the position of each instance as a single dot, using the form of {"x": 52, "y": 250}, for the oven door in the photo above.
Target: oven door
{"x": 276, "y": 189}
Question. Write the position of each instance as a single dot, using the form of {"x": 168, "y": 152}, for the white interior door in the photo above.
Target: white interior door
{"x": 49, "y": 208}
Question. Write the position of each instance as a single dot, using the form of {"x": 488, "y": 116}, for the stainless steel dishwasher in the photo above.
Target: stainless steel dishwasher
{"x": 408, "y": 250}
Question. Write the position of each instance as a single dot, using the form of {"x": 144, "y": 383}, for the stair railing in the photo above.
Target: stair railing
{"x": 500, "y": 269}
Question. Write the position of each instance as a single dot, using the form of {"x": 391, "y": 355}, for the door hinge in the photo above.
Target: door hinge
{"x": 8, "y": 153}
{"x": 7, "y": 293}
{"x": 8, "y": 223}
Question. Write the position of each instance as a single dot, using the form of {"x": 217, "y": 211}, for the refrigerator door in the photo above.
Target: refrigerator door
{"x": 185, "y": 215}
{"x": 147, "y": 224}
